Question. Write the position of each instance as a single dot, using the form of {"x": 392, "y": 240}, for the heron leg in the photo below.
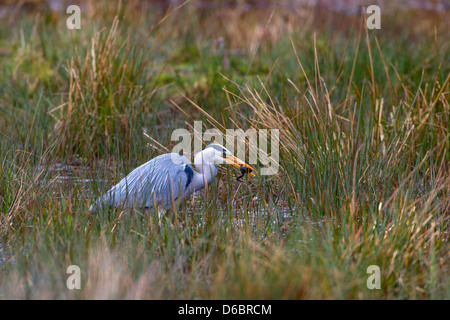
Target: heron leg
{"x": 161, "y": 211}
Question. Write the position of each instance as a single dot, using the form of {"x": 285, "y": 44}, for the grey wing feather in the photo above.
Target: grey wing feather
{"x": 158, "y": 181}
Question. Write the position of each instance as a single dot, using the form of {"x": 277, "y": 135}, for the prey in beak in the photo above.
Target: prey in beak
{"x": 241, "y": 165}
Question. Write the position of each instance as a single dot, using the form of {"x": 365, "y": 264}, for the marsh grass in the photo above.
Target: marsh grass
{"x": 364, "y": 153}
{"x": 107, "y": 95}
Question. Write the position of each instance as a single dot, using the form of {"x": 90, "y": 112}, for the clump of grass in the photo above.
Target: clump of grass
{"x": 380, "y": 172}
{"x": 108, "y": 94}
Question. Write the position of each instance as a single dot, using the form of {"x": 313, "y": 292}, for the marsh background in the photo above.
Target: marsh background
{"x": 364, "y": 148}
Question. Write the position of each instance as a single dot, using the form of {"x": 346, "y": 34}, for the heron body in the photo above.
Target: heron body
{"x": 166, "y": 179}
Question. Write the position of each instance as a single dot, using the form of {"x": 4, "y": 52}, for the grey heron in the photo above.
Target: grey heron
{"x": 168, "y": 178}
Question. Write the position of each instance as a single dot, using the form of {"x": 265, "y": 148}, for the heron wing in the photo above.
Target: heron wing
{"x": 161, "y": 180}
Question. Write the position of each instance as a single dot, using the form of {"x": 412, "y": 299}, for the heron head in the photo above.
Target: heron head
{"x": 221, "y": 155}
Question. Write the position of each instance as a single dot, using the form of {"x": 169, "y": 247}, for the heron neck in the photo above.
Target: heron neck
{"x": 207, "y": 169}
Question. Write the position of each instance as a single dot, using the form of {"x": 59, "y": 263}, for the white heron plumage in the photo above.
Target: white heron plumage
{"x": 168, "y": 178}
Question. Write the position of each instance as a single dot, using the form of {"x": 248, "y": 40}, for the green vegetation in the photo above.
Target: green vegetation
{"x": 364, "y": 176}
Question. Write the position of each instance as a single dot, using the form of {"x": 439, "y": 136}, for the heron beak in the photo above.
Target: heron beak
{"x": 238, "y": 163}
